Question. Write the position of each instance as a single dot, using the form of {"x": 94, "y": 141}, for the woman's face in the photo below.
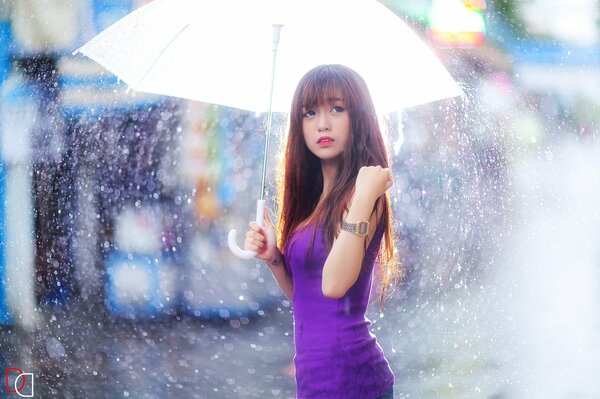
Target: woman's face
{"x": 326, "y": 129}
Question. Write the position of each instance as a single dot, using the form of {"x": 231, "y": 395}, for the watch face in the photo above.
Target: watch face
{"x": 363, "y": 228}
{"x": 360, "y": 228}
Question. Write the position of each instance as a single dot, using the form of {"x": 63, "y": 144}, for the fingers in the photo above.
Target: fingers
{"x": 255, "y": 238}
{"x": 387, "y": 174}
{"x": 256, "y": 231}
{"x": 375, "y": 179}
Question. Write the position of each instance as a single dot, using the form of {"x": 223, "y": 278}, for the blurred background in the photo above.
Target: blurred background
{"x": 116, "y": 279}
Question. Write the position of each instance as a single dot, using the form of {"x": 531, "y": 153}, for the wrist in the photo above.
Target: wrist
{"x": 360, "y": 210}
{"x": 277, "y": 260}
{"x": 361, "y": 199}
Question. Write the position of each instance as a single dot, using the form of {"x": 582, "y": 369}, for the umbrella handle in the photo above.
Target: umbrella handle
{"x": 232, "y": 238}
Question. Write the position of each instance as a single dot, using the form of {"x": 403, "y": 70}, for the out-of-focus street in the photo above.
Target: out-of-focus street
{"x": 116, "y": 279}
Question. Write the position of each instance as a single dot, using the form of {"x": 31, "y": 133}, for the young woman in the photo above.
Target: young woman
{"x": 335, "y": 222}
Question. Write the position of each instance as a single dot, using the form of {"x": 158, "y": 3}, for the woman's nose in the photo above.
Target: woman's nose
{"x": 323, "y": 122}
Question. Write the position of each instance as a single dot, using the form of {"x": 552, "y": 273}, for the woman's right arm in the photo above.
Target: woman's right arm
{"x": 262, "y": 240}
{"x": 277, "y": 266}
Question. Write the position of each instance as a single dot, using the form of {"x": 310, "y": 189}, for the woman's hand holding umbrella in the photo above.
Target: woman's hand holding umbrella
{"x": 262, "y": 240}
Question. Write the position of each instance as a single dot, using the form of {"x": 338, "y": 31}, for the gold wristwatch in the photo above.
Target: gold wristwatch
{"x": 361, "y": 229}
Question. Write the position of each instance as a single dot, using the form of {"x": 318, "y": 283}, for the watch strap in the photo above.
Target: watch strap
{"x": 361, "y": 229}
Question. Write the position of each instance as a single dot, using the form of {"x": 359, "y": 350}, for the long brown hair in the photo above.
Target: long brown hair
{"x": 301, "y": 176}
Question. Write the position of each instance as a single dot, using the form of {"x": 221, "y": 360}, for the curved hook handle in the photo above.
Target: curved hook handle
{"x": 232, "y": 238}
{"x": 237, "y": 251}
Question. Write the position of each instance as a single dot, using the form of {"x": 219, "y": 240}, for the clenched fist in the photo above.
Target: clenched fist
{"x": 373, "y": 181}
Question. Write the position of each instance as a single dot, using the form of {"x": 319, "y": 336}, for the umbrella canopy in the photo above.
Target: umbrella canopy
{"x": 230, "y": 52}
{"x": 220, "y": 51}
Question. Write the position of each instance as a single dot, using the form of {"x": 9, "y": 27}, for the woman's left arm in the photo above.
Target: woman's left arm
{"x": 345, "y": 259}
{"x": 342, "y": 267}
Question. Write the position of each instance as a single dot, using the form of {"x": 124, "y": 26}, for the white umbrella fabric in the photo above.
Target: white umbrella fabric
{"x": 230, "y": 52}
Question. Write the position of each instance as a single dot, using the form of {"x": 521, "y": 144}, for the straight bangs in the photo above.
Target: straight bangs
{"x": 323, "y": 86}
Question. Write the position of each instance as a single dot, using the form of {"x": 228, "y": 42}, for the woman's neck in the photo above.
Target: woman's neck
{"x": 328, "y": 169}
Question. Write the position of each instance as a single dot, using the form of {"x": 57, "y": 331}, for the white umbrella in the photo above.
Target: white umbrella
{"x": 230, "y": 52}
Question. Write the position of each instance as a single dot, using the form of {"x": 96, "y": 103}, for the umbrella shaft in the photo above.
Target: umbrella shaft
{"x": 276, "y": 31}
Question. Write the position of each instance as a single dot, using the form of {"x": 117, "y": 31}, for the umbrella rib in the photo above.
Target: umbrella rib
{"x": 160, "y": 55}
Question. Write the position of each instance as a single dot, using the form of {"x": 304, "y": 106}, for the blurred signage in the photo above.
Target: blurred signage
{"x": 456, "y": 23}
{"x": 475, "y": 4}
{"x": 107, "y": 12}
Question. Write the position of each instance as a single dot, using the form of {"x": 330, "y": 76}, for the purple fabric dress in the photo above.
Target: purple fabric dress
{"x": 337, "y": 357}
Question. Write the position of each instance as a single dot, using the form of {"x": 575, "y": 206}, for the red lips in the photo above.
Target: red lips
{"x": 324, "y": 138}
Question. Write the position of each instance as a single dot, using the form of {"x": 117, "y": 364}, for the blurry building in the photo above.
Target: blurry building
{"x": 46, "y": 94}
{"x": 112, "y": 211}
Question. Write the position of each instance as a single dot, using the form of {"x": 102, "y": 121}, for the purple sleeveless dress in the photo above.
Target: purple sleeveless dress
{"x": 337, "y": 357}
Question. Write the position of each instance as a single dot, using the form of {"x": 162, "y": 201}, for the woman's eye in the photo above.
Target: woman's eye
{"x": 308, "y": 113}
{"x": 337, "y": 108}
